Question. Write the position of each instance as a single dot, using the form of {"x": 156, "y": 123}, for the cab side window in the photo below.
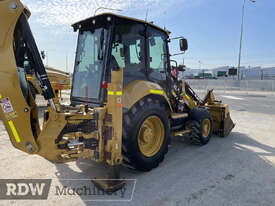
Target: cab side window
{"x": 157, "y": 50}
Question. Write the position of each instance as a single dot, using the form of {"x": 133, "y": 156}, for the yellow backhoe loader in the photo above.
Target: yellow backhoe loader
{"x": 126, "y": 100}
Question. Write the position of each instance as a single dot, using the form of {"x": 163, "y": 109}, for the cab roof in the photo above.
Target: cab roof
{"x": 103, "y": 15}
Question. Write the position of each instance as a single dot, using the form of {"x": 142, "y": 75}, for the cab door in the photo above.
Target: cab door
{"x": 157, "y": 68}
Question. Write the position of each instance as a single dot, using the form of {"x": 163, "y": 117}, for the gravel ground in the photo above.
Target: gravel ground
{"x": 237, "y": 170}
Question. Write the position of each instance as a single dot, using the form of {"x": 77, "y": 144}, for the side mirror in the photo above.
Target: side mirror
{"x": 183, "y": 44}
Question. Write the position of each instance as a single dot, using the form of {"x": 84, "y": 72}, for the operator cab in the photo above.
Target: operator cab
{"x": 110, "y": 41}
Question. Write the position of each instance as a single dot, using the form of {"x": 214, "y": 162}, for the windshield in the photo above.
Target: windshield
{"x": 89, "y": 64}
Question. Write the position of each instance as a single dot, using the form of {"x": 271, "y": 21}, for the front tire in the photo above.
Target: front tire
{"x": 201, "y": 126}
{"x": 146, "y": 133}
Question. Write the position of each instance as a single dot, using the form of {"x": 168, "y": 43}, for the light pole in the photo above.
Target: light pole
{"x": 241, "y": 39}
{"x": 66, "y": 62}
{"x": 199, "y": 64}
{"x": 106, "y": 9}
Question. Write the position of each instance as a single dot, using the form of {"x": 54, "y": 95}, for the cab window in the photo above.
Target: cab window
{"x": 128, "y": 49}
{"x": 158, "y": 55}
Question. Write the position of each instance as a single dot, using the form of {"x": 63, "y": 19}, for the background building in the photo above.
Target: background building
{"x": 246, "y": 73}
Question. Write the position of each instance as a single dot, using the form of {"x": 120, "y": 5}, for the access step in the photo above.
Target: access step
{"x": 181, "y": 133}
{"x": 179, "y": 115}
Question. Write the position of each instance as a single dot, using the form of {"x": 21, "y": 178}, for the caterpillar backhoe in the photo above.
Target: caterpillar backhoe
{"x": 126, "y": 99}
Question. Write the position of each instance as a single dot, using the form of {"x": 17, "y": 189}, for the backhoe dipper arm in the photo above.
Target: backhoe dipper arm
{"x": 39, "y": 68}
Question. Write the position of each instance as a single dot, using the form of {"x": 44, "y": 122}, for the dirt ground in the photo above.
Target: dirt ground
{"x": 237, "y": 170}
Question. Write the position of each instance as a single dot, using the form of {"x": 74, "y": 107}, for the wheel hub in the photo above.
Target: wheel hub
{"x": 151, "y": 136}
{"x": 148, "y": 135}
{"x": 206, "y": 127}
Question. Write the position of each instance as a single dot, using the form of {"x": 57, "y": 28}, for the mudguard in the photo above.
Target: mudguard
{"x": 138, "y": 89}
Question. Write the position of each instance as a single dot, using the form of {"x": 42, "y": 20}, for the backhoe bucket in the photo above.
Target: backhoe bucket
{"x": 223, "y": 123}
{"x": 226, "y": 126}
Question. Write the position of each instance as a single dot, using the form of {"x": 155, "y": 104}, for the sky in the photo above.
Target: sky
{"x": 212, "y": 28}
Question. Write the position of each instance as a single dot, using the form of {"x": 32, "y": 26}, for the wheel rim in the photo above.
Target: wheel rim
{"x": 206, "y": 127}
{"x": 151, "y": 136}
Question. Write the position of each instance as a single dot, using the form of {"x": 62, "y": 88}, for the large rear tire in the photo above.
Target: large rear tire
{"x": 146, "y": 133}
{"x": 201, "y": 126}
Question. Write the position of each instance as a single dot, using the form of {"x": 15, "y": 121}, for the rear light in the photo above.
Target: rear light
{"x": 104, "y": 85}
{"x": 60, "y": 87}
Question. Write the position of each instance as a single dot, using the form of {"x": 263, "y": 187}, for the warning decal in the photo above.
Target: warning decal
{"x": 6, "y": 105}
